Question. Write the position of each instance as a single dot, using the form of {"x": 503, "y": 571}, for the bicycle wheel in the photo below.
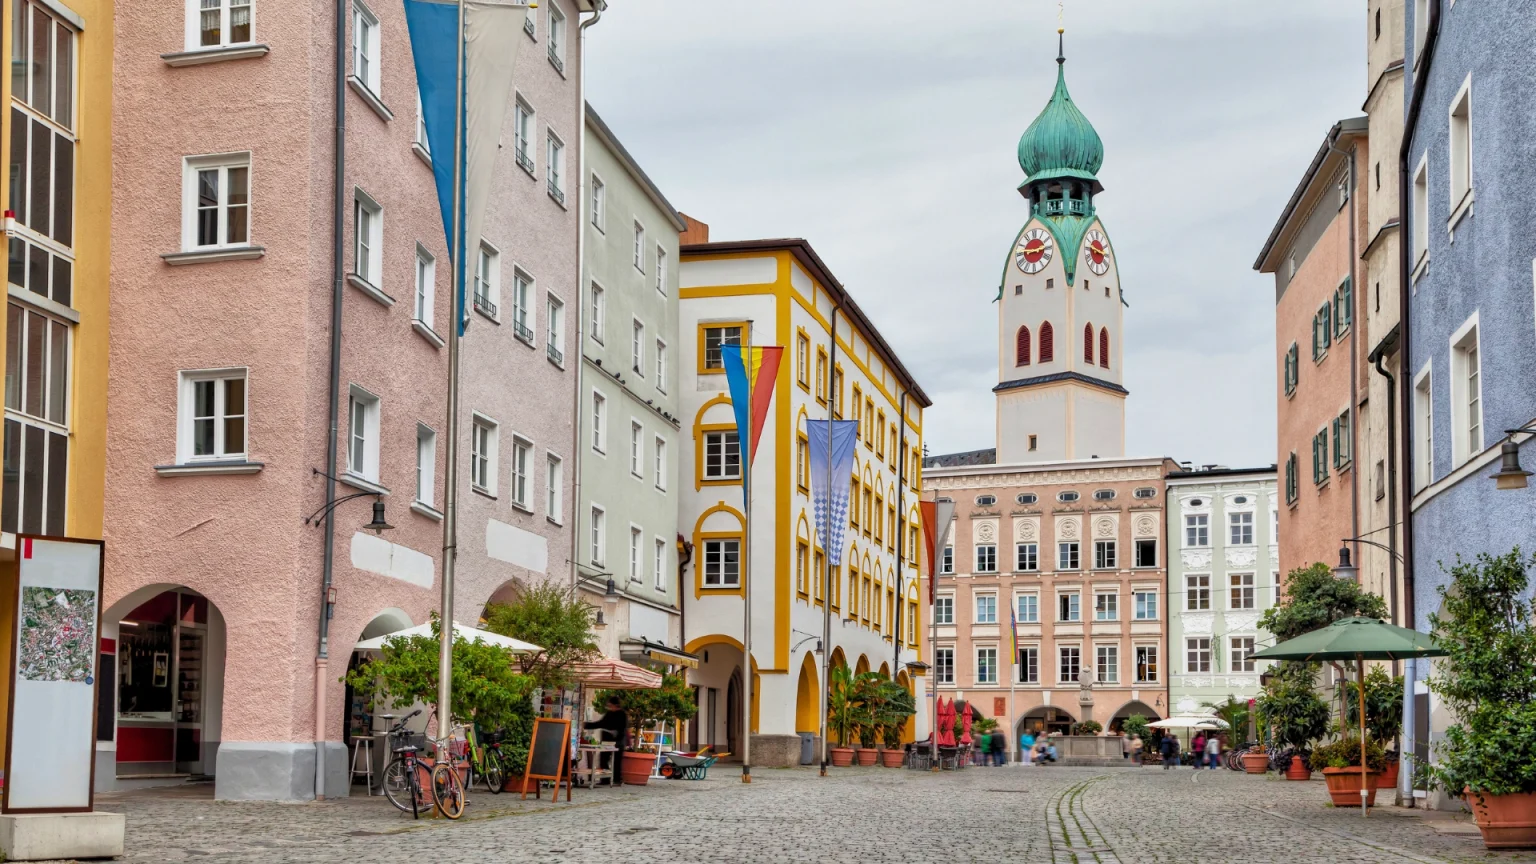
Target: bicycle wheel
{"x": 447, "y": 790}
{"x": 495, "y": 775}
{"x": 398, "y": 786}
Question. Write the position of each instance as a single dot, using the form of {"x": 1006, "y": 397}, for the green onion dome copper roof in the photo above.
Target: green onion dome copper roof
{"x": 1061, "y": 142}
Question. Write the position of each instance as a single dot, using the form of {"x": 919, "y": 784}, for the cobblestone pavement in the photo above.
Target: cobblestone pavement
{"x": 1056, "y": 815}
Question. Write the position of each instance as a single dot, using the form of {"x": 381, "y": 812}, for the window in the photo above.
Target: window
{"x": 599, "y": 202}
{"x": 986, "y": 558}
{"x": 661, "y": 365}
{"x": 821, "y": 375}
{"x": 213, "y": 404}
{"x": 522, "y": 473}
{"x": 659, "y": 462}
{"x": 522, "y": 318}
{"x": 722, "y": 563}
{"x": 1029, "y": 665}
{"x": 1069, "y": 607}
{"x": 1104, "y": 340}
{"x": 365, "y": 47}
{"x": 1378, "y": 36}
{"x": 1423, "y": 420}
{"x": 522, "y": 132}
{"x": 487, "y": 280}
{"x": 944, "y": 610}
{"x": 661, "y": 270}
{"x": 368, "y": 225}
{"x": 556, "y": 38}
{"x": 599, "y": 308}
{"x": 1067, "y": 497}
{"x": 1342, "y": 441}
{"x": 1066, "y": 556}
{"x": 1107, "y": 661}
{"x": 1292, "y": 369}
{"x": 1466, "y": 394}
{"x": 635, "y": 567}
{"x": 554, "y": 340}
{"x": 216, "y": 198}
{"x": 1343, "y": 308}
{"x": 803, "y": 463}
{"x": 1021, "y": 347}
{"x": 1047, "y": 343}
{"x": 426, "y": 463}
{"x": 1070, "y": 666}
{"x": 1029, "y": 608}
{"x": 947, "y": 561}
{"x": 1461, "y": 146}
{"x": 944, "y": 665}
{"x": 599, "y": 422}
{"x": 986, "y": 609}
{"x": 722, "y": 455}
{"x": 1088, "y": 342}
{"x": 637, "y": 256}
{"x": 1242, "y": 593}
{"x": 1027, "y": 557}
{"x": 1292, "y": 482}
{"x": 1146, "y": 664}
{"x": 986, "y": 665}
{"x": 1198, "y": 652}
{"x": 1420, "y": 236}
{"x": 1027, "y": 498}
{"x": 1145, "y": 606}
{"x": 1197, "y": 593}
{"x": 421, "y": 128}
{"x": 1106, "y": 606}
{"x": 636, "y": 432}
{"x": 1104, "y": 495}
{"x": 1240, "y": 527}
{"x": 221, "y": 23}
{"x": 599, "y": 535}
{"x": 555, "y": 169}
{"x": 986, "y": 500}
{"x": 1242, "y": 654}
{"x": 659, "y": 565}
{"x": 1146, "y": 553}
{"x": 802, "y": 360}
{"x": 1197, "y": 530}
{"x": 1104, "y": 554}
{"x": 1145, "y": 492}
{"x": 363, "y": 435}
{"x": 1320, "y": 457}
{"x": 714, "y": 337}
{"x": 554, "y": 475}
{"x": 426, "y": 278}
{"x": 1322, "y": 332}
{"x": 482, "y": 455}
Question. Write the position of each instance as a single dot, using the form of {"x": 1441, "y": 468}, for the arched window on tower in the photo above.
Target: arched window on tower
{"x": 1047, "y": 343}
{"x": 1088, "y": 343}
{"x": 1021, "y": 348}
{"x": 1104, "y": 347}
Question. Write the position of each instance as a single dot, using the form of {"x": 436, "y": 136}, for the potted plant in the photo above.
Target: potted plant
{"x": 896, "y": 706}
{"x": 866, "y": 692}
{"x": 1087, "y": 727}
{"x": 1291, "y": 711}
{"x": 1340, "y": 764}
{"x": 672, "y": 702}
{"x": 843, "y": 715}
{"x": 1488, "y": 681}
{"x": 1383, "y": 715}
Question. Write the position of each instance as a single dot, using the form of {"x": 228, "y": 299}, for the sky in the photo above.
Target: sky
{"x": 885, "y": 133}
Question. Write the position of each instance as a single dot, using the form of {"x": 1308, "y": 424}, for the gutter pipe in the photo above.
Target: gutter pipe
{"x": 580, "y": 358}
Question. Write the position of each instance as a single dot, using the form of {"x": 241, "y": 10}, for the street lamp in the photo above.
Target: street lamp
{"x": 1346, "y": 570}
{"x": 1510, "y": 475}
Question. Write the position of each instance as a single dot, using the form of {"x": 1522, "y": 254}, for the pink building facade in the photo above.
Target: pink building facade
{"x": 224, "y": 271}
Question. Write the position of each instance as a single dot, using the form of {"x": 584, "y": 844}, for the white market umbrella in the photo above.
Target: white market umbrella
{"x": 517, "y": 646}
{"x": 1191, "y": 721}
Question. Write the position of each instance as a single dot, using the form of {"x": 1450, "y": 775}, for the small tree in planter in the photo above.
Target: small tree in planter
{"x": 1488, "y": 681}
{"x": 844, "y": 715}
{"x": 1340, "y": 763}
{"x": 898, "y": 705}
{"x": 870, "y": 696}
{"x": 1291, "y": 711}
{"x": 672, "y": 702}
{"x": 1383, "y": 715}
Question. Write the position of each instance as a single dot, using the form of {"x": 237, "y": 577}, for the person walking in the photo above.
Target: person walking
{"x": 1170, "y": 751}
{"x": 999, "y": 748}
{"x": 1198, "y": 749}
{"x": 1212, "y": 752}
{"x": 1027, "y": 747}
{"x": 979, "y": 754}
{"x": 1136, "y": 746}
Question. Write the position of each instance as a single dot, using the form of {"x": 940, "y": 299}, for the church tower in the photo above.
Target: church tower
{"x": 1059, "y": 372}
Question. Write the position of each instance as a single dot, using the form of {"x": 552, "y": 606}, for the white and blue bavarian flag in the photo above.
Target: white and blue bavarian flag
{"x": 492, "y": 33}
{"x": 831, "y": 475}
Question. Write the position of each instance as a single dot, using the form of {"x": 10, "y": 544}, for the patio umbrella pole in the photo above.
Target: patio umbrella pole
{"x": 1364, "y": 775}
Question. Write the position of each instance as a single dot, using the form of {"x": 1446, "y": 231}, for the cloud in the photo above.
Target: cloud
{"x": 885, "y": 132}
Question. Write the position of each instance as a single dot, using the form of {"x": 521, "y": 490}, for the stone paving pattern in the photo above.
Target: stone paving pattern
{"x": 1050, "y": 814}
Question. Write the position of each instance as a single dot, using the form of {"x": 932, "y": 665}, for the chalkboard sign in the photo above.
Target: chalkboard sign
{"x": 549, "y": 756}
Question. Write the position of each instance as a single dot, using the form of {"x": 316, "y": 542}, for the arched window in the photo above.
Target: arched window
{"x": 1047, "y": 343}
{"x": 1088, "y": 343}
{"x": 1021, "y": 348}
{"x": 1104, "y": 347}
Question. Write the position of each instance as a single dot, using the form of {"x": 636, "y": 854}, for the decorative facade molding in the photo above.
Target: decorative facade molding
{"x": 985, "y": 530}
{"x": 1196, "y": 559}
{"x": 1242, "y": 622}
{"x": 1242, "y": 556}
{"x": 1199, "y": 623}
{"x": 1145, "y": 526}
{"x": 1026, "y": 530}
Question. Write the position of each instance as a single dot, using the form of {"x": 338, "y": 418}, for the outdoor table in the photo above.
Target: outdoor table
{"x": 589, "y": 772}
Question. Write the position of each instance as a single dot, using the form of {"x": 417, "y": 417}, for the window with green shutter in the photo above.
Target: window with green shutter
{"x": 1320, "y": 457}
{"x": 1343, "y": 307}
{"x": 1292, "y": 369}
{"x": 1290, "y": 478}
{"x": 1341, "y": 441}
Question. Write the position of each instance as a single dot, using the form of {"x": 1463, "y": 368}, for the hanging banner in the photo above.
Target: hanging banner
{"x": 50, "y": 732}
{"x": 751, "y": 374}
{"x": 937, "y": 517}
{"x": 831, "y": 477}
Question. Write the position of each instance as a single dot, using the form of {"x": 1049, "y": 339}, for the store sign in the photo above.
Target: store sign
{"x": 50, "y": 733}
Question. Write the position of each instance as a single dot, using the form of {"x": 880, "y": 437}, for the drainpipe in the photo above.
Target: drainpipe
{"x": 338, "y": 217}
{"x": 901, "y": 540}
{"x": 1425, "y": 59}
{"x": 580, "y": 358}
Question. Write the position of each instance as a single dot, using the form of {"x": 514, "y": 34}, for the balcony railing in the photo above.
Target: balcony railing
{"x": 521, "y": 153}
{"x": 555, "y": 191}
{"x": 528, "y": 25}
{"x": 521, "y": 331}
{"x": 556, "y": 356}
{"x": 1063, "y": 207}
{"x": 554, "y": 59}
{"x": 484, "y": 304}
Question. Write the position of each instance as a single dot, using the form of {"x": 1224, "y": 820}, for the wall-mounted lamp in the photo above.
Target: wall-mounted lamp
{"x": 1510, "y": 475}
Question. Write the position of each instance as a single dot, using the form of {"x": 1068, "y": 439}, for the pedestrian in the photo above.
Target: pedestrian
{"x": 1198, "y": 749}
{"x": 979, "y": 749}
{"x": 1213, "y": 752}
{"x": 1170, "y": 751}
{"x": 1027, "y": 746}
{"x": 1136, "y": 746}
{"x": 1050, "y": 751}
{"x": 999, "y": 748}
{"x": 612, "y": 726}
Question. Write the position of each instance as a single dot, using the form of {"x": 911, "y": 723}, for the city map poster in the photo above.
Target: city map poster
{"x": 58, "y": 635}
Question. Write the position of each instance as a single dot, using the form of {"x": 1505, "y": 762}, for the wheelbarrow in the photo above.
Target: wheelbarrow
{"x": 687, "y": 766}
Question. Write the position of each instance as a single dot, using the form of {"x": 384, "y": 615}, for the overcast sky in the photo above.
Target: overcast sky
{"x": 885, "y": 134}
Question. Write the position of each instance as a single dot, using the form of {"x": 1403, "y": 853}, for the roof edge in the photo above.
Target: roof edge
{"x": 596, "y": 124}
{"x": 1354, "y": 127}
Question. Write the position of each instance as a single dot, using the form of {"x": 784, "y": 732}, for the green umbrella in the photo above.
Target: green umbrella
{"x": 1357, "y": 639}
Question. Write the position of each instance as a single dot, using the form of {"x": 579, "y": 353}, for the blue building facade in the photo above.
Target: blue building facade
{"x": 1470, "y": 201}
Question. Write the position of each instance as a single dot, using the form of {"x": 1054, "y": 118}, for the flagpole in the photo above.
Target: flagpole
{"x": 826, "y": 560}
{"x": 745, "y": 446}
{"x": 1013, "y": 680}
{"x": 451, "y": 482}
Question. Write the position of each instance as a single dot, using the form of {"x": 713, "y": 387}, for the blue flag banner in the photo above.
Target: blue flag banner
{"x": 831, "y": 476}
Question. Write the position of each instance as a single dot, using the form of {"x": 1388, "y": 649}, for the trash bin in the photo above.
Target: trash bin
{"x": 807, "y": 748}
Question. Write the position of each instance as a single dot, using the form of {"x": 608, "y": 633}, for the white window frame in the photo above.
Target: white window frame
{"x": 947, "y": 560}
{"x": 723, "y": 473}
{"x": 363, "y": 456}
{"x": 1420, "y": 249}
{"x": 944, "y": 665}
{"x": 944, "y": 610}
{"x": 983, "y": 551}
{"x": 424, "y": 307}
{"x": 661, "y": 365}
{"x": 661, "y": 270}
{"x": 599, "y": 202}
{"x": 1459, "y": 150}
{"x": 1138, "y": 606}
{"x": 637, "y": 346}
{"x": 599, "y": 423}
{"x": 554, "y": 172}
{"x": 1062, "y": 676}
{"x": 1157, "y": 661}
{"x": 1103, "y": 551}
{"x": 1136, "y": 546}
{"x": 1242, "y": 595}
{"x": 597, "y": 535}
{"x": 367, "y": 239}
{"x": 659, "y": 462}
{"x": 420, "y": 132}
{"x": 599, "y": 316}
{"x": 521, "y": 477}
{"x": 1074, "y": 608}
{"x": 484, "y": 452}
{"x": 1241, "y": 659}
{"x": 636, "y": 459}
{"x": 555, "y": 38}
{"x": 659, "y": 563}
{"x": 185, "y": 421}
{"x": 223, "y": 163}
{"x": 1069, "y": 555}
{"x": 720, "y": 582}
{"x": 1236, "y": 528}
{"x": 1106, "y": 604}
{"x": 636, "y": 564}
{"x": 1192, "y": 590}
{"x": 1099, "y": 664}
{"x": 366, "y": 43}
{"x": 1423, "y": 427}
{"x": 1197, "y": 530}
{"x": 1467, "y": 434}
{"x": 638, "y": 255}
{"x": 1027, "y": 665}
{"x": 523, "y": 316}
{"x": 554, "y": 488}
{"x": 1197, "y": 656}
{"x": 426, "y": 464}
{"x": 1026, "y": 554}
{"x": 986, "y": 609}
{"x": 554, "y": 333}
{"x": 487, "y": 280}
{"x": 986, "y": 669}
{"x": 1027, "y": 607}
{"x": 524, "y": 124}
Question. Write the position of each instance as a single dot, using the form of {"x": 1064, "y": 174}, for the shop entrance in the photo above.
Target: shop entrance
{"x": 1045, "y": 720}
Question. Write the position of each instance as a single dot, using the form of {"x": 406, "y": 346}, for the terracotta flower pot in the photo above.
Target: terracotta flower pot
{"x": 867, "y": 756}
{"x": 1298, "y": 770}
{"x": 635, "y": 769}
{"x": 892, "y": 758}
{"x": 1344, "y": 786}
{"x": 1507, "y": 821}
{"x": 1388, "y": 778}
{"x": 842, "y": 757}
{"x": 1255, "y": 763}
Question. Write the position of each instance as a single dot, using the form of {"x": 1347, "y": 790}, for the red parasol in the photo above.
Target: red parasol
{"x": 965, "y": 724}
{"x": 946, "y": 730}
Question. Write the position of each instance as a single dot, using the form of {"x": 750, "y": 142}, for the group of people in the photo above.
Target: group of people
{"x": 1206, "y": 749}
{"x": 991, "y": 748}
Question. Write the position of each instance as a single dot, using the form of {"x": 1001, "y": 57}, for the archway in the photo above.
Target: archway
{"x": 719, "y": 683}
{"x": 161, "y": 696}
{"x": 508, "y": 592}
{"x": 1045, "y": 719}
{"x": 733, "y": 712}
{"x": 909, "y": 728}
{"x": 862, "y": 666}
{"x": 885, "y": 671}
{"x": 1129, "y": 709}
{"x": 808, "y": 697}
{"x": 360, "y": 710}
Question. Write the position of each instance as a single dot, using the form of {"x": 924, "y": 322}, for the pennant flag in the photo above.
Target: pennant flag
{"x": 1013, "y": 640}
{"x": 831, "y": 476}
{"x": 937, "y": 518}
{"x": 492, "y": 34}
{"x": 925, "y": 510}
{"x": 751, "y": 373}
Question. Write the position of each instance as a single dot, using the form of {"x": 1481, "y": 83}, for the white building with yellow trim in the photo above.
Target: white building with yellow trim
{"x": 779, "y": 292}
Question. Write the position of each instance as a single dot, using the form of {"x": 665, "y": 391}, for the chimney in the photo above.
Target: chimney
{"x": 696, "y": 232}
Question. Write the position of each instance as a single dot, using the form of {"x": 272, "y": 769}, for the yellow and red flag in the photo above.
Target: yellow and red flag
{"x": 751, "y": 374}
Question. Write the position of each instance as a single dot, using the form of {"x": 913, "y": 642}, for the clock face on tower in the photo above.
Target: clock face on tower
{"x": 1096, "y": 252}
{"x": 1034, "y": 250}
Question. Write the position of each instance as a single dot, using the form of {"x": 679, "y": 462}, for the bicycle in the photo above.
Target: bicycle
{"x": 485, "y": 760}
{"x": 402, "y": 778}
{"x": 447, "y": 786}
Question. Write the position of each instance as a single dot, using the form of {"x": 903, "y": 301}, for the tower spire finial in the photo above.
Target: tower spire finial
{"x": 1061, "y": 29}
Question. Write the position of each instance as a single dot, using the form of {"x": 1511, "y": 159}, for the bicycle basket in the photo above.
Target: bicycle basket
{"x": 411, "y": 739}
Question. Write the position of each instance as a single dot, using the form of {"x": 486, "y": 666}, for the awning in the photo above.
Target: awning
{"x": 642, "y": 650}
{"x": 606, "y": 673}
{"x": 459, "y": 631}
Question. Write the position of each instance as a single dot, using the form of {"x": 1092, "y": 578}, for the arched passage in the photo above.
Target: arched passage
{"x": 862, "y": 666}
{"x": 360, "y": 710}
{"x": 885, "y": 671}
{"x": 1129, "y": 709}
{"x": 718, "y": 682}
{"x": 1045, "y": 719}
{"x": 808, "y": 697}
{"x": 908, "y": 729}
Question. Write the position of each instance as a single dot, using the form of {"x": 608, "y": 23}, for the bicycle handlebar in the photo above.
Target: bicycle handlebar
{"x": 403, "y": 720}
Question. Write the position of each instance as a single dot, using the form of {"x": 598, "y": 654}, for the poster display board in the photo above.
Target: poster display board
{"x": 50, "y": 730}
{"x": 549, "y": 756}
